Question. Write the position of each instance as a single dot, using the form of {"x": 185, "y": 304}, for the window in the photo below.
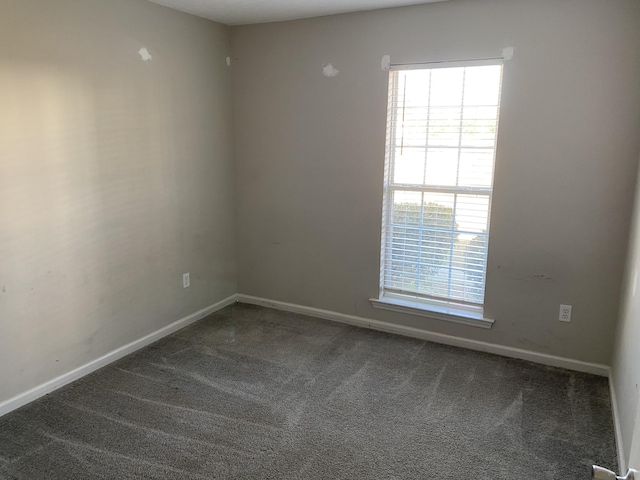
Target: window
{"x": 441, "y": 137}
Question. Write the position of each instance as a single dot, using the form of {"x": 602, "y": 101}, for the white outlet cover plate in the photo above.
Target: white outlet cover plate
{"x": 565, "y": 309}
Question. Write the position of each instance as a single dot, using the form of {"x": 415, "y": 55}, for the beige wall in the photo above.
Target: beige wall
{"x": 309, "y": 158}
{"x": 625, "y": 371}
{"x": 115, "y": 178}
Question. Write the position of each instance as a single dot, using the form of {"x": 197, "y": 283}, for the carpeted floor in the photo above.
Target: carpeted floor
{"x": 253, "y": 393}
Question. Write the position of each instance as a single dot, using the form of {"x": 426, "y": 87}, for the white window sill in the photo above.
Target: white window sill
{"x": 446, "y": 312}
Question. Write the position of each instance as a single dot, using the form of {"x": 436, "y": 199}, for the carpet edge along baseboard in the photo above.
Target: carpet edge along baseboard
{"x": 69, "y": 377}
{"x": 43, "y": 389}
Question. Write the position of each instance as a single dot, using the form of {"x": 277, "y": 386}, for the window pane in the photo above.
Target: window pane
{"x": 438, "y": 211}
{"x": 472, "y": 213}
{"x": 476, "y": 168}
{"x": 446, "y": 86}
{"x": 406, "y": 208}
{"x": 479, "y": 127}
{"x": 482, "y": 85}
{"x": 442, "y": 166}
{"x": 409, "y": 166}
{"x": 443, "y": 125}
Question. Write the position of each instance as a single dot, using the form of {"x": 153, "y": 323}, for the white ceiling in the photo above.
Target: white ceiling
{"x": 241, "y": 12}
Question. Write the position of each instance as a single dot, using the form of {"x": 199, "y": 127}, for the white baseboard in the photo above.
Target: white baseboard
{"x": 622, "y": 462}
{"x": 536, "y": 357}
{"x": 48, "y": 387}
{"x": 56, "y": 383}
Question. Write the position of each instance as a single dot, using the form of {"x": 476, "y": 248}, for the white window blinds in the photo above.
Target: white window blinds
{"x": 441, "y": 137}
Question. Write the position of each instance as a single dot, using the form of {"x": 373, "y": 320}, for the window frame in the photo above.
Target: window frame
{"x": 449, "y": 309}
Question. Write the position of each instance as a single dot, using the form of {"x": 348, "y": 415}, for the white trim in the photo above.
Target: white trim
{"x": 622, "y": 462}
{"x": 475, "y": 62}
{"x": 56, "y": 383}
{"x": 536, "y": 357}
{"x": 447, "y": 314}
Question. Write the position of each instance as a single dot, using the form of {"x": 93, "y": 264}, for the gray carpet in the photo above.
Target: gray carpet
{"x": 253, "y": 393}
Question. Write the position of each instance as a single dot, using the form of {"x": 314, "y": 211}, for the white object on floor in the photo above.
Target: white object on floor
{"x": 599, "y": 473}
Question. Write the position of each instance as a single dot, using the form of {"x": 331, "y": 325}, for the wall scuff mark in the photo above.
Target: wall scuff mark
{"x": 385, "y": 63}
{"x": 507, "y": 53}
{"x": 144, "y": 54}
{"x": 329, "y": 70}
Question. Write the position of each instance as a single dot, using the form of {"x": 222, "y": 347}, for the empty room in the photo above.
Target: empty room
{"x": 319, "y": 239}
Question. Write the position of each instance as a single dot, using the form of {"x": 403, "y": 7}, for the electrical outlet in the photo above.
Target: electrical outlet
{"x": 565, "y": 313}
{"x": 186, "y": 281}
